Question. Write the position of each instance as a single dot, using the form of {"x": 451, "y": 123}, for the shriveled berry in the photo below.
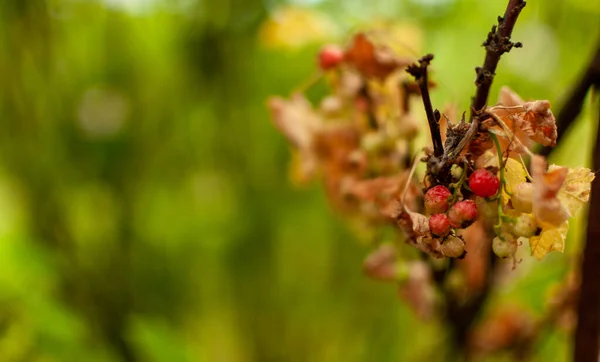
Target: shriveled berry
{"x": 522, "y": 197}
{"x": 463, "y": 213}
{"x": 439, "y": 224}
{"x": 504, "y": 248}
{"x": 330, "y": 56}
{"x": 453, "y": 247}
{"x": 524, "y": 225}
{"x": 483, "y": 183}
{"x": 436, "y": 199}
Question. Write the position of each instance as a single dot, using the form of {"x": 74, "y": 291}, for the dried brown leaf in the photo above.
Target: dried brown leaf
{"x": 296, "y": 119}
{"x": 381, "y": 263}
{"x": 533, "y": 120}
{"x": 547, "y": 208}
{"x": 299, "y": 123}
{"x": 371, "y": 60}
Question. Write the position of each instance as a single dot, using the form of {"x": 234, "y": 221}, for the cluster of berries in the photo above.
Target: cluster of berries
{"x": 360, "y": 137}
{"x": 521, "y": 223}
{"x": 446, "y": 215}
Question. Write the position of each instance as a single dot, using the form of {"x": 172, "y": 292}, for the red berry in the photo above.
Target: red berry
{"x": 463, "y": 213}
{"x": 483, "y": 183}
{"x": 436, "y": 199}
{"x": 439, "y": 224}
{"x": 330, "y": 56}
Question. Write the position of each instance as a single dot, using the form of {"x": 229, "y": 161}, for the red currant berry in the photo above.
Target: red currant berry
{"x": 439, "y": 224}
{"x": 436, "y": 199}
{"x": 483, "y": 183}
{"x": 463, "y": 213}
{"x": 330, "y": 56}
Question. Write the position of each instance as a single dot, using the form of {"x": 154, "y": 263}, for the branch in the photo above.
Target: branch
{"x": 462, "y": 315}
{"x": 572, "y": 107}
{"x": 587, "y": 335}
{"x": 497, "y": 43}
{"x": 364, "y": 93}
{"x": 419, "y": 71}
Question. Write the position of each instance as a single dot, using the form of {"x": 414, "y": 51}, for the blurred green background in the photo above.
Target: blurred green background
{"x": 146, "y": 212}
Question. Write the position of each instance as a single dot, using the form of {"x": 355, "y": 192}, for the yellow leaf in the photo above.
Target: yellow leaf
{"x": 575, "y": 191}
{"x": 550, "y": 239}
{"x": 404, "y": 39}
{"x": 515, "y": 174}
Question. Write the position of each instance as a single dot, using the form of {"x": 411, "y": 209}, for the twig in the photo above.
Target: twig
{"x": 405, "y": 98}
{"x": 587, "y": 334}
{"x": 462, "y": 316}
{"x": 497, "y": 43}
{"x": 419, "y": 71}
{"x": 364, "y": 93}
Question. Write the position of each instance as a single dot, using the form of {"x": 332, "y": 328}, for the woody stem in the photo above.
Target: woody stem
{"x": 419, "y": 71}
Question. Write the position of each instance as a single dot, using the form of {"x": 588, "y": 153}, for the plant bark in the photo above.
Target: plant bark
{"x": 419, "y": 71}
{"x": 587, "y": 334}
{"x": 462, "y": 316}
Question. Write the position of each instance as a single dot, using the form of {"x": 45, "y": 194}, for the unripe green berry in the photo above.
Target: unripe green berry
{"x": 524, "y": 226}
{"x": 487, "y": 209}
{"x": 456, "y": 172}
{"x": 373, "y": 142}
{"x": 504, "y": 248}
{"x": 522, "y": 197}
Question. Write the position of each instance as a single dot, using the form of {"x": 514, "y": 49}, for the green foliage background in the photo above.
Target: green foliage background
{"x": 145, "y": 208}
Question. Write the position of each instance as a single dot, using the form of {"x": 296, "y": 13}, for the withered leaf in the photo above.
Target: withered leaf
{"x": 371, "y": 60}
{"x": 533, "y": 119}
{"x": 547, "y": 208}
{"x": 575, "y": 191}
{"x": 299, "y": 123}
{"x": 551, "y": 239}
{"x": 381, "y": 263}
{"x": 295, "y": 118}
